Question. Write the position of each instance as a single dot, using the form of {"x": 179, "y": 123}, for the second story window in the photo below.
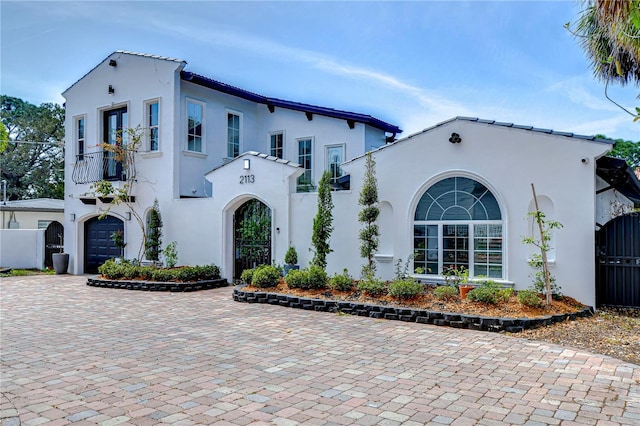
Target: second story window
{"x": 277, "y": 145}
{"x": 233, "y": 135}
{"x": 305, "y": 154}
{"x": 335, "y": 157}
{"x": 80, "y": 140}
{"x": 195, "y": 117}
{"x": 153, "y": 125}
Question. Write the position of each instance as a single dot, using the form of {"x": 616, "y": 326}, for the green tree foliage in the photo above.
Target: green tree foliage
{"x": 370, "y": 233}
{"x": 32, "y": 170}
{"x": 322, "y": 223}
{"x": 4, "y": 137}
{"x": 610, "y": 34}
{"x": 154, "y": 233}
{"x": 627, "y": 150}
{"x": 609, "y": 31}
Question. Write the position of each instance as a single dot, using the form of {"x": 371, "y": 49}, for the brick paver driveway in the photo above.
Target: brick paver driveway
{"x": 78, "y": 354}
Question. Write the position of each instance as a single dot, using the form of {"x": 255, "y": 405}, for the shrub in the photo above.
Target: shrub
{"x": 162, "y": 275}
{"x": 405, "y": 289}
{"x": 110, "y": 269}
{"x": 297, "y": 278}
{"x": 529, "y": 298}
{"x": 446, "y": 292}
{"x": 207, "y": 272}
{"x": 126, "y": 269}
{"x": 489, "y": 292}
{"x": 186, "y": 274}
{"x": 342, "y": 282}
{"x": 266, "y": 276}
{"x": 291, "y": 257}
{"x": 317, "y": 278}
{"x": 372, "y": 286}
{"x": 247, "y": 275}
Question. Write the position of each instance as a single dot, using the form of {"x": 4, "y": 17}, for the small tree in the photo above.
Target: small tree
{"x": 369, "y": 234}
{"x": 323, "y": 222}
{"x": 542, "y": 278}
{"x": 154, "y": 234}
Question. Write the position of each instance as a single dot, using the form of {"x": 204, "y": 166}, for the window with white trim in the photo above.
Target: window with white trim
{"x": 305, "y": 157}
{"x": 458, "y": 223}
{"x": 277, "y": 144}
{"x": 80, "y": 138}
{"x": 153, "y": 125}
{"x": 195, "y": 125}
{"x": 335, "y": 158}
{"x": 233, "y": 135}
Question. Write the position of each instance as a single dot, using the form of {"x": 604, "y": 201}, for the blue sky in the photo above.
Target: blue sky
{"x": 412, "y": 64}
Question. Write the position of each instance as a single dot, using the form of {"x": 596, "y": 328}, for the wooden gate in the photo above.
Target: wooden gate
{"x": 53, "y": 242}
{"x": 618, "y": 262}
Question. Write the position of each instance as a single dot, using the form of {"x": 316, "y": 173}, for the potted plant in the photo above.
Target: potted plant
{"x": 290, "y": 260}
{"x": 458, "y": 276}
{"x": 60, "y": 260}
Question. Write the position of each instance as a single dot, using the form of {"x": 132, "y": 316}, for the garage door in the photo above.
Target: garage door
{"x": 98, "y": 245}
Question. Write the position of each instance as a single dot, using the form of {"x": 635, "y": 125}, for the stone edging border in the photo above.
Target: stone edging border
{"x": 157, "y": 285}
{"x": 451, "y": 319}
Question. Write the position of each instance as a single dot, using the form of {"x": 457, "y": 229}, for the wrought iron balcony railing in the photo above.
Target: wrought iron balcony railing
{"x": 96, "y": 166}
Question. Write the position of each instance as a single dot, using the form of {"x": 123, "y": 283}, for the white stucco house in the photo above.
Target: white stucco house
{"x": 456, "y": 193}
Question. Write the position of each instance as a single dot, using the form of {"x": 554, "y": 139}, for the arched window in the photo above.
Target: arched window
{"x": 457, "y": 223}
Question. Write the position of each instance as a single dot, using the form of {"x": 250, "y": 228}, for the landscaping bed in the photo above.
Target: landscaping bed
{"x": 509, "y": 315}
{"x": 131, "y": 276}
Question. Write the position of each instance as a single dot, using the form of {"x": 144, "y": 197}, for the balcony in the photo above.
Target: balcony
{"x": 96, "y": 166}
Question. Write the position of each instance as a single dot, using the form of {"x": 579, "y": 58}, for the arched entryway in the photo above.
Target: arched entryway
{"x": 618, "y": 262}
{"x": 53, "y": 242}
{"x": 98, "y": 243}
{"x": 252, "y": 236}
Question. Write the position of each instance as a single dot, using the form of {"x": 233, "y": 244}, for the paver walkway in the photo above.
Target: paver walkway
{"x": 77, "y": 354}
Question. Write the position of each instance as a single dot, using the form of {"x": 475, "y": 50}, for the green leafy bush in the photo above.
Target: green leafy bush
{"x": 291, "y": 257}
{"x": 266, "y": 276}
{"x": 247, "y": 275}
{"x": 489, "y": 292}
{"x": 297, "y": 278}
{"x": 342, "y": 282}
{"x": 529, "y": 298}
{"x": 405, "y": 289}
{"x": 446, "y": 292}
{"x": 127, "y": 269}
{"x": 162, "y": 275}
{"x": 317, "y": 278}
{"x": 372, "y": 286}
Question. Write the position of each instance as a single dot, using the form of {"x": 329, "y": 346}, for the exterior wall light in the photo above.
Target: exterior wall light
{"x": 72, "y": 217}
{"x": 247, "y": 164}
{"x": 127, "y": 215}
{"x": 111, "y": 90}
{"x": 455, "y": 138}
{"x": 113, "y": 63}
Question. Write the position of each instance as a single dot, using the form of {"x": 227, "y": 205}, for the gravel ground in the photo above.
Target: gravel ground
{"x": 613, "y": 332}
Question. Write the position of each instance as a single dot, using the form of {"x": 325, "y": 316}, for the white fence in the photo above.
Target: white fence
{"x": 22, "y": 248}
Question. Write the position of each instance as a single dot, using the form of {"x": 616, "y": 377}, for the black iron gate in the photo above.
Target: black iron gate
{"x": 252, "y": 236}
{"x": 53, "y": 242}
{"x": 618, "y": 262}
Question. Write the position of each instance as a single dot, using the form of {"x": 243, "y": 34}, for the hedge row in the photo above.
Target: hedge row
{"x": 124, "y": 269}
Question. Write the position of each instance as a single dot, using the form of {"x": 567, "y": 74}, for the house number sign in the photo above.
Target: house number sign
{"x": 247, "y": 179}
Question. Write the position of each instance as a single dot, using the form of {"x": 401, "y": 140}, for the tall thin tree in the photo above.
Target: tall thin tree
{"x": 323, "y": 222}
{"x": 370, "y": 233}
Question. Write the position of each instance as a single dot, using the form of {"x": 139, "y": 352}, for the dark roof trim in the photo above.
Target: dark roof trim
{"x": 492, "y": 123}
{"x": 619, "y": 176}
{"x": 280, "y": 103}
